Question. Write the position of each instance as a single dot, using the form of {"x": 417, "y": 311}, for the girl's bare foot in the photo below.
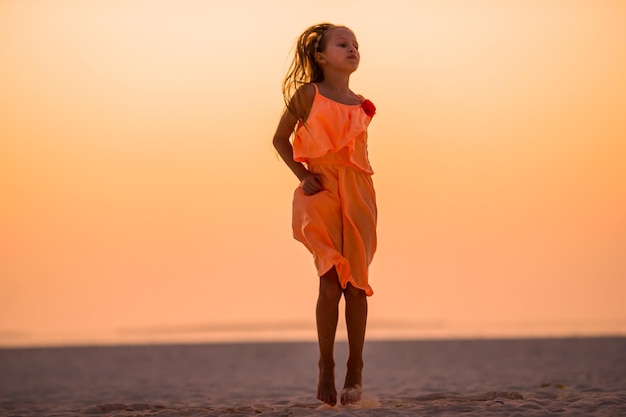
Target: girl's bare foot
{"x": 326, "y": 390}
{"x": 351, "y": 395}
{"x": 352, "y": 389}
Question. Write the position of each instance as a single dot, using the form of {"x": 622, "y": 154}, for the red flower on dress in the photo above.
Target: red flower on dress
{"x": 368, "y": 108}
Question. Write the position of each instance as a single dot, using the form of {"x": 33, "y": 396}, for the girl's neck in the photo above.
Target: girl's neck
{"x": 337, "y": 83}
{"x": 337, "y": 89}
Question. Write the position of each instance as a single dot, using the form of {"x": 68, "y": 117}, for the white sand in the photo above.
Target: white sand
{"x": 569, "y": 377}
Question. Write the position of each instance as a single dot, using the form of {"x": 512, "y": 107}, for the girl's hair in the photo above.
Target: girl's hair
{"x": 304, "y": 69}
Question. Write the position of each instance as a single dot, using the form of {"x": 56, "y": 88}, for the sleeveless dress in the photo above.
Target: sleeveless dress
{"x": 338, "y": 224}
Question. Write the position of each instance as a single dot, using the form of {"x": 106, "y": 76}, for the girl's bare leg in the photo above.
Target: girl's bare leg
{"x": 356, "y": 321}
{"x": 327, "y": 314}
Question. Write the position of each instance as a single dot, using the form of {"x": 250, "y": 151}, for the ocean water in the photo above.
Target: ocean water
{"x": 280, "y": 331}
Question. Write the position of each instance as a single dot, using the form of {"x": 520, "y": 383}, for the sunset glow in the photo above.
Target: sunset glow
{"x": 140, "y": 189}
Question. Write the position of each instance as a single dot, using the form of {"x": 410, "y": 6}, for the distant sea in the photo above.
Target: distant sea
{"x": 228, "y": 332}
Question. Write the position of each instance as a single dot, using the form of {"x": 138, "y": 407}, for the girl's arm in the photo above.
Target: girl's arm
{"x": 283, "y": 145}
{"x": 302, "y": 101}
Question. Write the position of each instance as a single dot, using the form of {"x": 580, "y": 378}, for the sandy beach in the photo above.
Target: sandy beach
{"x": 570, "y": 377}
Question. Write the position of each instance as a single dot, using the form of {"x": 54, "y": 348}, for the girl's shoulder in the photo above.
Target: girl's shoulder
{"x": 307, "y": 92}
{"x": 302, "y": 100}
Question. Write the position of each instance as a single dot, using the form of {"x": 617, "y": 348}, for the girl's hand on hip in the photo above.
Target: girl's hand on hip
{"x": 312, "y": 184}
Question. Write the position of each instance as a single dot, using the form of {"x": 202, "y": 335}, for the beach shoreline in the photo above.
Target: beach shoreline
{"x": 305, "y": 331}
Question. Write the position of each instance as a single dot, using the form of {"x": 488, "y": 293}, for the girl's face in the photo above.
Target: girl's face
{"x": 341, "y": 50}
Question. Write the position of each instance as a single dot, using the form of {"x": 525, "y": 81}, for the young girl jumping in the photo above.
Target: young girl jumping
{"x": 334, "y": 207}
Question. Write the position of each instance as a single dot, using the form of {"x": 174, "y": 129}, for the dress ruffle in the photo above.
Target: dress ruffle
{"x": 330, "y": 127}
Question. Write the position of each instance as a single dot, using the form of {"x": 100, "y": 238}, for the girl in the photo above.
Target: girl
{"x": 334, "y": 207}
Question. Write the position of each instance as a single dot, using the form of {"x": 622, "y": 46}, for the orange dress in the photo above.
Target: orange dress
{"x": 338, "y": 224}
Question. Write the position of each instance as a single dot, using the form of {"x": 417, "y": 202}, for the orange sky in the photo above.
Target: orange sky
{"x": 140, "y": 188}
